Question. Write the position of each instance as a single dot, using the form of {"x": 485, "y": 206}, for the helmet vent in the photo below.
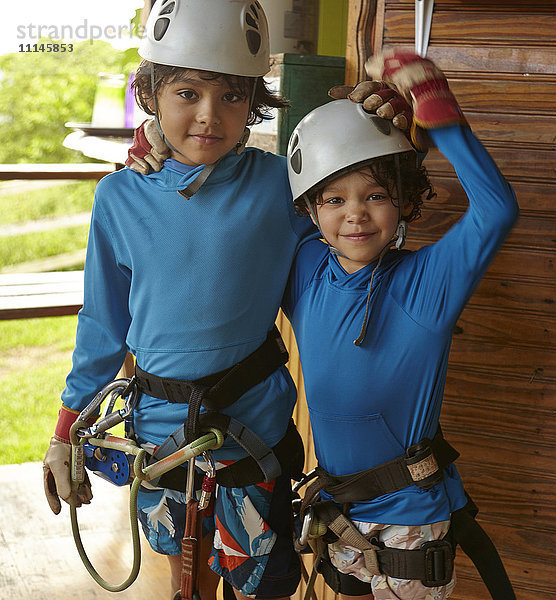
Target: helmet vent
{"x": 160, "y": 28}
{"x": 381, "y": 124}
{"x": 296, "y": 161}
{"x": 252, "y": 34}
{"x": 167, "y": 9}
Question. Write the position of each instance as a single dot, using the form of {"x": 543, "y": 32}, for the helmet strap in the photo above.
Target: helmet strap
{"x": 240, "y": 146}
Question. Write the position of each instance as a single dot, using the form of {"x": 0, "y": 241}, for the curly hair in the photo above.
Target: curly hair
{"x": 263, "y": 98}
{"x": 415, "y": 181}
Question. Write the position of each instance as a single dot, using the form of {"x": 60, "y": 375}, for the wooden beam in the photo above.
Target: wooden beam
{"x": 361, "y": 18}
{"x": 55, "y": 171}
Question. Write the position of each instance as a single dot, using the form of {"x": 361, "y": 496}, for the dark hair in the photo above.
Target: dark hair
{"x": 263, "y": 98}
{"x": 414, "y": 179}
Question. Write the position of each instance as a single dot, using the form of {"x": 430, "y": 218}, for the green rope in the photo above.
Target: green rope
{"x": 211, "y": 441}
{"x": 136, "y": 542}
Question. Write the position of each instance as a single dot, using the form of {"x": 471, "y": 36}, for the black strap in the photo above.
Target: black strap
{"x": 222, "y": 388}
{"x": 288, "y": 454}
{"x": 432, "y": 563}
{"x": 476, "y": 543}
{"x": 421, "y": 465}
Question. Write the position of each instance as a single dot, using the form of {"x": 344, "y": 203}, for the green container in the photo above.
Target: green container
{"x": 305, "y": 81}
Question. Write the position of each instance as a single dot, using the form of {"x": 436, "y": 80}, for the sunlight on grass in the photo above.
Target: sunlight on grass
{"x": 35, "y": 358}
{"x": 48, "y": 202}
{"x": 31, "y": 246}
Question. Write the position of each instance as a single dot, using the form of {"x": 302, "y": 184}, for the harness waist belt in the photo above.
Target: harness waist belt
{"x": 421, "y": 465}
{"x": 225, "y": 387}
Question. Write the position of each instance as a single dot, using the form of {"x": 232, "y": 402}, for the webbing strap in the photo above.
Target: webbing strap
{"x": 224, "y": 387}
{"x": 476, "y": 543}
{"x": 432, "y": 563}
{"x": 263, "y": 456}
{"x": 421, "y": 465}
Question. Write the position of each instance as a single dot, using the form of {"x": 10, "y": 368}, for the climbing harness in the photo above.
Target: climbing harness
{"x": 216, "y": 392}
{"x": 432, "y": 563}
{"x": 111, "y": 457}
{"x": 122, "y": 462}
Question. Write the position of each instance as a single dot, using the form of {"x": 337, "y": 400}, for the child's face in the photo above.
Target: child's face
{"x": 358, "y": 217}
{"x": 203, "y": 119}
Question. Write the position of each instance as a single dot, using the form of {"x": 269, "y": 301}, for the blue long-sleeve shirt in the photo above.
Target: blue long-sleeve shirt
{"x": 190, "y": 287}
{"x": 369, "y": 403}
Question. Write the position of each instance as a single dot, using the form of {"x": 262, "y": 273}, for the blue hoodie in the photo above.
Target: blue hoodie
{"x": 190, "y": 287}
{"x": 369, "y": 403}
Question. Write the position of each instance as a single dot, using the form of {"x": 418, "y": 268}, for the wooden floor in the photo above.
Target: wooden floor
{"x": 38, "y": 558}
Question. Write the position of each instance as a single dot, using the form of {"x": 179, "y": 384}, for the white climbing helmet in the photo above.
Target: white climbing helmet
{"x": 224, "y": 36}
{"x": 335, "y": 137}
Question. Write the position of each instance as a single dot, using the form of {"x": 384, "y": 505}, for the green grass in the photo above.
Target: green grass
{"x": 48, "y": 202}
{"x": 35, "y": 358}
{"x": 31, "y": 246}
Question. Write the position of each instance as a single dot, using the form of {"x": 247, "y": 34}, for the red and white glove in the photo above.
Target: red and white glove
{"x": 380, "y": 98}
{"x": 57, "y": 466}
{"x": 149, "y": 150}
{"x": 423, "y": 84}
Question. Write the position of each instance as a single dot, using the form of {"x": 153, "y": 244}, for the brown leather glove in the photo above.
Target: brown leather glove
{"x": 57, "y": 465}
{"x": 149, "y": 150}
{"x": 57, "y": 479}
{"x": 423, "y": 84}
{"x": 380, "y": 98}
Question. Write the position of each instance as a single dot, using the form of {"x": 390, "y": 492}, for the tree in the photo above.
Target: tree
{"x": 41, "y": 91}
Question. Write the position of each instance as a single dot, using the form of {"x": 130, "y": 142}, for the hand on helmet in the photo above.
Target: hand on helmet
{"x": 57, "y": 477}
{"x": 423, "y": 84}
{"x": 149, "y": 151}
{"x": 380, "y": 98}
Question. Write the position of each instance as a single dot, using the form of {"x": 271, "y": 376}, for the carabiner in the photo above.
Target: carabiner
{"x": 209, "y": 481}
{"x": 301, "y": 542}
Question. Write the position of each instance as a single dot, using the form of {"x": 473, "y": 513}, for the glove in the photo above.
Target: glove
{"x": 57, "y": 481}
{"x": 380, "y": 98}
{"x": 149, "y": 150}
{"x": 57, "y": 465}
{"x": 423, "y": 84}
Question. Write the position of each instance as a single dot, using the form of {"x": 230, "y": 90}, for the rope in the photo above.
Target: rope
{"x": 207, "y": 442}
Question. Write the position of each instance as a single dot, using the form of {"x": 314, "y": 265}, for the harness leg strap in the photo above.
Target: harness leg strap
{"x": 476, "y": 543}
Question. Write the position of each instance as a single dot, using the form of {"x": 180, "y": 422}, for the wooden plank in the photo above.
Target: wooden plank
{"x": 511, "y": 328}
{"x": 525, "y": 361}
{"x": 501, "y": 127}
{"x": 475, "y": 25}
{"x": 477, "y": 448}
{"x": 29, "y": 295}
{"x": 500, "y": 421}
{"x": 507, "y": 388}
{"x": 529, "y": 232}
{"x": 511, "y": 495}
{"x": 534, "y": 199}
{"x": 358, "y": 45}
{"x": 55, "y": 171}
{"x": 536, "y": 165}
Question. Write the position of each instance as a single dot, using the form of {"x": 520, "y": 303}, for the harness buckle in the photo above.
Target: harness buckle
{"x": 439, "y": 563}
{"x": 422, "y": 466}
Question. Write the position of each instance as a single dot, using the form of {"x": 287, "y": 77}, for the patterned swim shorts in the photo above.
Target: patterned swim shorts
{"x": 252, "y": 526}
{"x": 349, "y": 561}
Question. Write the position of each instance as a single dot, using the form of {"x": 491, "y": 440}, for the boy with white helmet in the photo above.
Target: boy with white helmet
{"x": 374, "y": 324}
{"x": 185, "y": 269}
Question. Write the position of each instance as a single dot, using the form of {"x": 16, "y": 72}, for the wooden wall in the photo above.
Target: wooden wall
{"x": 500, "y": 400}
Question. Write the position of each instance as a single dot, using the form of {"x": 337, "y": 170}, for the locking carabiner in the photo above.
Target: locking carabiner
{"x": 209, "y": 481}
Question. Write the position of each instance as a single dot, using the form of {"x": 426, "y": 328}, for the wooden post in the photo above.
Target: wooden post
{"x": 361, "y": 17}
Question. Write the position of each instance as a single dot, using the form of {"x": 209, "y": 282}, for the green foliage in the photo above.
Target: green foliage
{"x": 40, "y": 92}
{"x": 48, "y": 202}
{"x": 35, "y": 358}
{"x": 31, "y": 246}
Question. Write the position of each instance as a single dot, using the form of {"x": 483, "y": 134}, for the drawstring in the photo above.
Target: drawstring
{"x": 401, "y": 232}
{"x": 366, "y": 318}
